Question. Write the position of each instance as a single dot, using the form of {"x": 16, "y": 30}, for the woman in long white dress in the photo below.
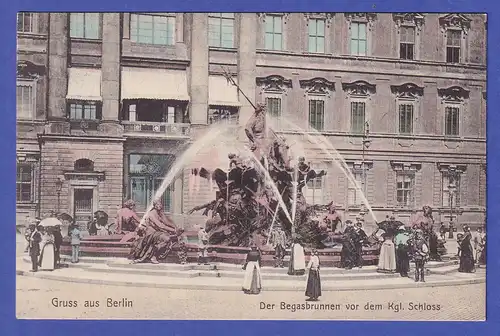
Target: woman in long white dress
{"x": 47, "y": 254}
{"x": 252, "y": 282}
{"x": 297, "y": 260}
{"x": 387, "y": 257}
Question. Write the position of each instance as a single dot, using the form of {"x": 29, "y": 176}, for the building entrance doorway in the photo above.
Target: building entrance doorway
{"x": 83, "y": 207}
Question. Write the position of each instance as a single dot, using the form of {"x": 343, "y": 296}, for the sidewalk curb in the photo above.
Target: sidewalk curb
{"x": 235, "y": 287}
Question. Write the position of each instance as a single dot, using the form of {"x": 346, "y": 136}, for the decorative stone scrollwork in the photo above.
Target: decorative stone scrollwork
{"x": 328, "y": 17}
{"x": 359, "y": 88}
{"x": 262, "y": 16}
{"x": 455, "y": 20}
{"x": 406, "y": 166}
{"x": 411, "y": 19}
{"x": 317, "y": 85}
{"x": 453, "y": 94}
{"x": 455, "y": 168}
{"x": 407, "y": 90}
{"x": 362, "y": 17}
{"x": 274, "y": 83}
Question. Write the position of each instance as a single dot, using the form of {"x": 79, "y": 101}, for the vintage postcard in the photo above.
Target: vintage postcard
{"x": 315, "y": 166}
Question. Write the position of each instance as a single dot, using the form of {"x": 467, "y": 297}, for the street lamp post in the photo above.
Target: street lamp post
{"x": 452, "y": 190}
{"x": 59, "y": 184}
{"x": 366, "y": 145}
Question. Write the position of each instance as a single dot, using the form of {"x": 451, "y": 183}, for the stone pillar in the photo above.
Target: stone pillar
{"x": 110, "y": 80}
{"x": 247, "y": 71}
{"x": 199, "y": 69}
{"x": 58, "y": 65}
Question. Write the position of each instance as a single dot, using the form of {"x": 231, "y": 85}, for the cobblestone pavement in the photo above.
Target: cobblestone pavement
{"x": 38, "y": 298}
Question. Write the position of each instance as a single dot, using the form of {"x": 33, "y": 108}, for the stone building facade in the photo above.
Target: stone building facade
{"x": 106, "y": 102}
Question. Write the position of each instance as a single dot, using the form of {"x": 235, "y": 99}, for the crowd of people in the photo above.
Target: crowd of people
{"x": 156, "y": 236}
{"x": 415, "y": 242}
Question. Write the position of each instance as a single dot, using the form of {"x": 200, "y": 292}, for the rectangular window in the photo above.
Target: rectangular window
{"x": 84, "y": 25}
{"x": 454, "y": 182}
{"x": 273, "y": 107}
{"x": 314, "y": 191}
{"x": 358, "y": 117}
{"x": 453, "y": 43}
{"x": 25, "y": 22}
{"x": 155, "y": 111}
{"x": 84, "y": 110}
{"x": 24, "y": 183}
{"x": 226, "y": 114}
{"x": 405, "y": 119}
{"x": 274, "y": 33}
{"x": 452, "y": 121}
{"x": 146, "y": 173}
{"x": 405, "y": 189}
{"x": 407, "y": 43}
{"x": 355, "y": 194}
{"x": 358, "y": 39}
{"x": 221, "y": 30}
{"x": 317, "y": 114}
{"x": 25, "y": 99}
{"x": 317, "y": 36}
{"x": 152, "y": 29}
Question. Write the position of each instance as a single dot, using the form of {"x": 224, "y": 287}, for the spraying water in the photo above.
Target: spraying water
{"x": 320, "y": 140}
{"x": 269, "y": 181}
{"x": 212, "y": 135}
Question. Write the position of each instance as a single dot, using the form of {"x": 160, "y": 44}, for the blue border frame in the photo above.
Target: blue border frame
{"x": 11, "y": 326}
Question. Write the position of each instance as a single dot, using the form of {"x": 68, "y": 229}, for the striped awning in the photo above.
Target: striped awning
{"x": 84, "y": 84}
{"x": 147, "y": 83}
{"x": 222, "y": 93}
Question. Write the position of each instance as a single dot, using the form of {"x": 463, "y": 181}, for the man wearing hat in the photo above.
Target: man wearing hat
{"x": 58, "y": 239}
{"x": 278, "y": 240}
{"x": 359, "y": 241}
{"x": 420, "y": 254}
{"x": 402, "y": 251}
{"x": 34, "y": 248}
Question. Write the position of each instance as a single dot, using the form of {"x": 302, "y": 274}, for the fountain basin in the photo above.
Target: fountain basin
{"x": 110, "y": 246}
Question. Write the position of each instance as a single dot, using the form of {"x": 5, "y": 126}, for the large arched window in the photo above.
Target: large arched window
{"x": 84, "y": 165}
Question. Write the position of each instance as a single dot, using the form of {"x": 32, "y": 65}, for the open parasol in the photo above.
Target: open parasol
{"x": 390, "y": 226}
{"x": 50, "y": 222}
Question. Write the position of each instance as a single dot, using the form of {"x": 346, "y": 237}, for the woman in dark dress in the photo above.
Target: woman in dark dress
{"x": 348, "y": 255}
{"x": 482, "y": 247}
{"x": 466, "y": 253}
{"x": 252, "y": 282}
{"x": 313, "y": 288}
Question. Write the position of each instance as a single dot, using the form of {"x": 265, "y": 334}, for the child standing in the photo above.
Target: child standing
{"x": 76, "y": 236}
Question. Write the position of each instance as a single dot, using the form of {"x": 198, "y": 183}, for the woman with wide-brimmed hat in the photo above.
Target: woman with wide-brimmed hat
{"x": 313, "y": 288}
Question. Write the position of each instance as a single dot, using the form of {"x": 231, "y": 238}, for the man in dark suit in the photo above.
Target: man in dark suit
{"x": 34, "y": 250}
{"x": 58, "y": 239}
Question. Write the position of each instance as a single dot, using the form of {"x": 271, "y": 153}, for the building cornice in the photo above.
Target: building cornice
{"x": 44, "y": 137}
